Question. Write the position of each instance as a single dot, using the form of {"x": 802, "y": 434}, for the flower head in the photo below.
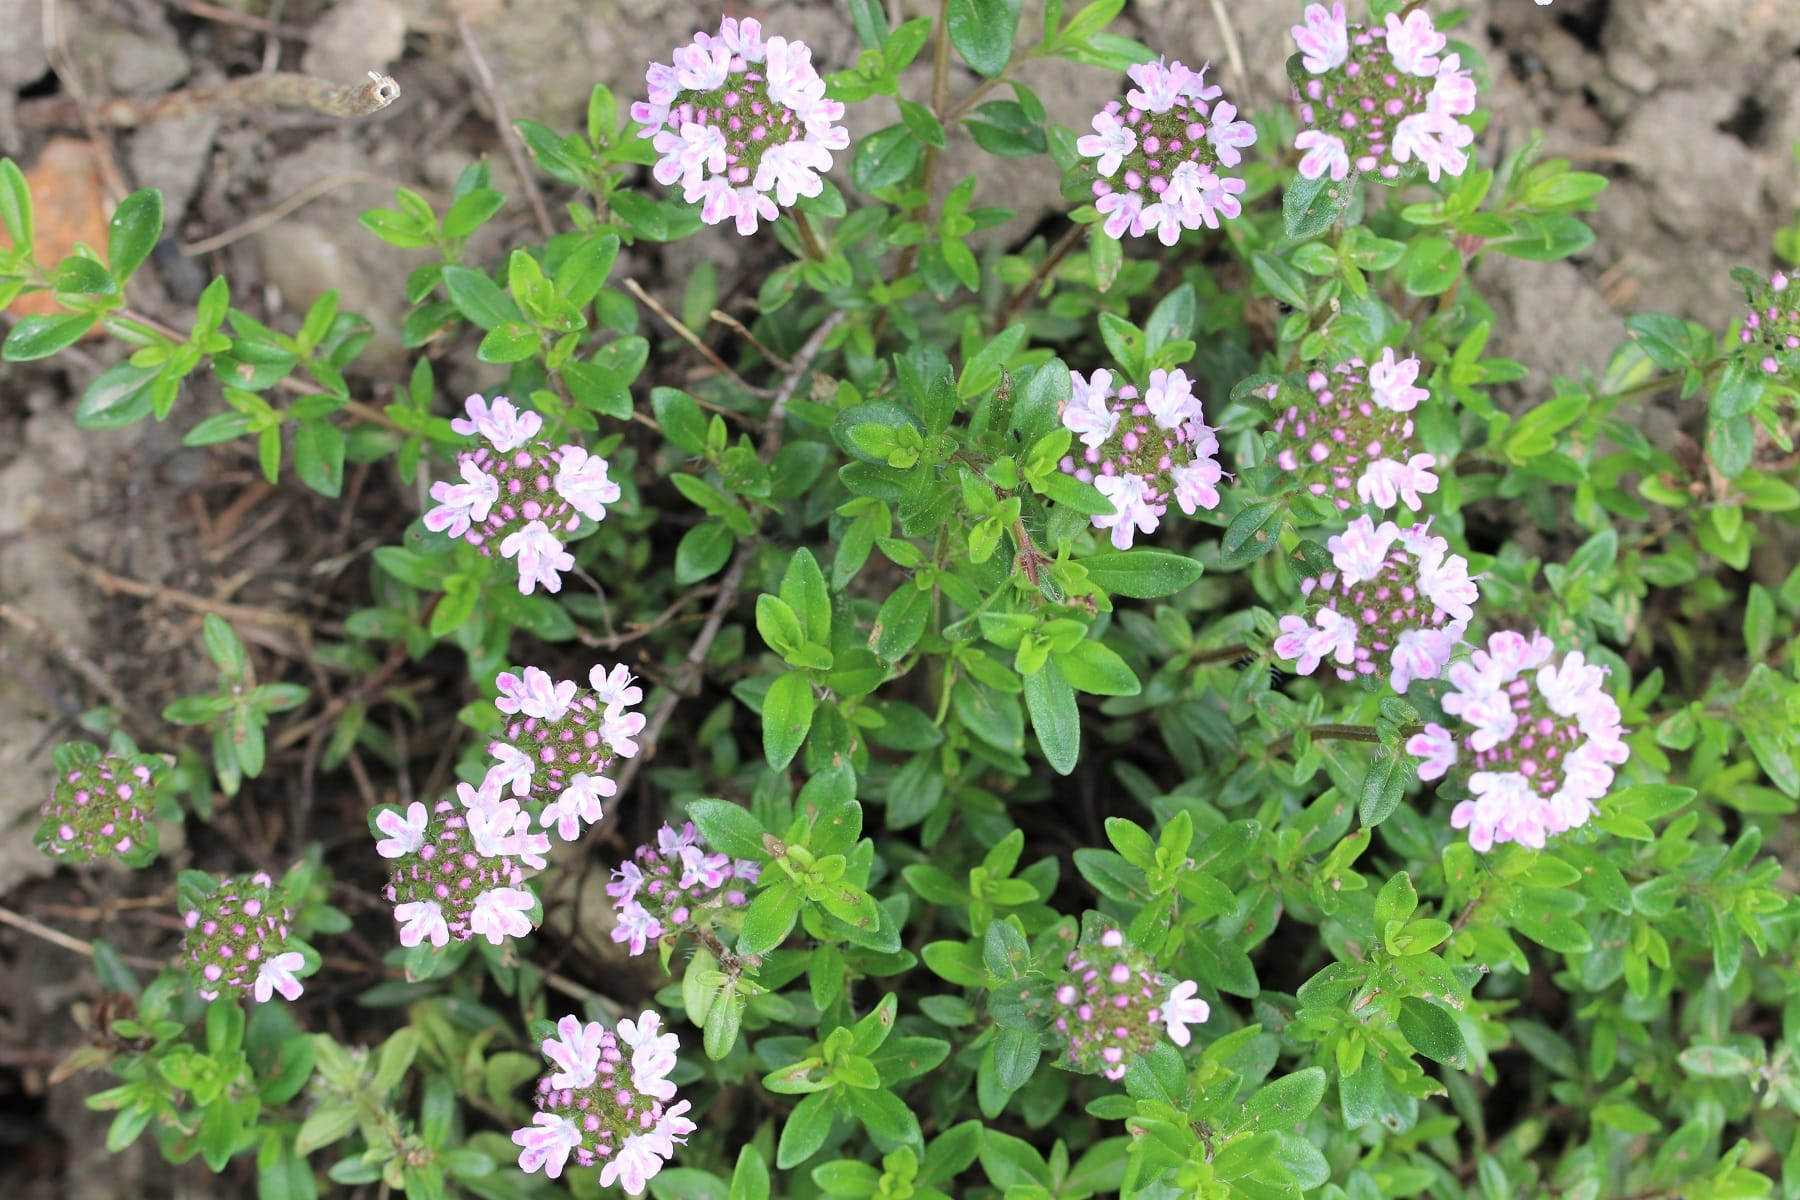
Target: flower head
{"x": 600, "y": 1109}
{"x": 100, "y": 807}
{"x": 1111, "y": 1005}
{"x": 520, "y": 493}
{"x": 742, "y": 124}
{"x": 237, "y": 938}
{"x": 1769, "y": 336}
{"x": 559, "y": 739}
{"x": 1141, "y": 453}
{"x": 672, "y": 886}
{"x": 1158, "y": 153}
{"x": 1351, "y": 441}
{"x": 1538, "y": 743}
{"x": 463, "y": 876}
{"x": 1396, "y": 604}
{"x": 1379, "y": 98}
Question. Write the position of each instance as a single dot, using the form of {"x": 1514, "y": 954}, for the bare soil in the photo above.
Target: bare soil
{"x": 113, "y": 545}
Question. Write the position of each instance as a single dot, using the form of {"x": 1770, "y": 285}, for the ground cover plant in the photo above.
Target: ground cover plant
{"x": 1171, "y": 716}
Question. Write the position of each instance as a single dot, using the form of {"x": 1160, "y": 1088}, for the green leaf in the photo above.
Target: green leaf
{"x": 1285, "y": 1103}
{"x": 900, "y": 622}
{"x": 982, "y": 32}
{"x": 80, "y": 275}
{"x": 787, "y": 715}
{"x": 703, "y": 550}
{"x": 15, "y": 209}
{"x": 478, "y": 298}
{"x": 1251, "y": 534}
{"x": 136, "y": 224}
{"x": 1310, "y": 206}
{"x": 1430, "y": 265}
{"x": 678, "y": 415}
{"x": 769, "y": 918}
{"x": 728, "y": 828}
{"x": 1383, "y": 786}
{"x": 805, "y": 1130}
{"x": 1141, "y": 574}
{"x": 803, "y": 587}
{"x": 319, "y": 456}
{"x": 1096, "y": 669}
{"x": 41, "y": 335}
{"x": 119, "y": 396}
{"x": 1433, "y": 1032}
{"x": 886, "y": 158}
{"x": 1050, "y": 702}
{"x": 750, "y": 1180}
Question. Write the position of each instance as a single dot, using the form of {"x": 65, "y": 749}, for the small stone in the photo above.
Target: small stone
{"x": 354, "y": 37}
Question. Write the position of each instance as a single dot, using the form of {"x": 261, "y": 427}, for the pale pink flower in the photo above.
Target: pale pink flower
{"x": 581, "y": 479}
{"x": 1183, "y": 1008}
{"x": 502, "y": 913}
{"x": 541, "y": 556}
{"x": 1324, "y": 40}
{"x": 1323, "y": 153}
{"x": 462, "y": 504}
{"x": 615, "y": 687}
{"x": 421, "y": 920}
{"x": 277, "y": 975}
{"x": 546, "y": 1143}
{"x": 405, "y": 834}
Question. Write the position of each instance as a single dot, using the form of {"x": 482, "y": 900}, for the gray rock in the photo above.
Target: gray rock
{"x": 22, "y": 58}
{"x": 171, "y": 156}
{"x": 1653, "y": 43}
{"x": 356, "y": 36}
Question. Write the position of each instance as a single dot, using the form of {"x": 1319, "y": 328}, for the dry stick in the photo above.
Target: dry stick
{"x": 1233, "y": 53}
{"x": 1052, "y": 259}
{"x": 57, "y": 937}
{"x": 77, "y": 661}
{"x": 225, "y": 16}
{"x": 278, "y": 89}
{"x": 509, "y": 137}
{"x": 304, "y": 196}
{"x": 734, "y": 574}
{"x": 693, "y": 339}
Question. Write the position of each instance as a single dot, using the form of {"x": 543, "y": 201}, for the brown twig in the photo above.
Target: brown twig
{"x": 57, "y": 937}
{"x": 693, "y": 339}
{"x": 226, "y": 16}
{"x": 47, "y": 636}
{"x": 299, "y": 199}
{"x": 248, "y": 614}
{"x": 1052, "y": 259}
{"x": 509, "y": 137}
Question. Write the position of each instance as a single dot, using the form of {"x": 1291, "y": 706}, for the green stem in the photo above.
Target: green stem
{"x": 815, "y": 249}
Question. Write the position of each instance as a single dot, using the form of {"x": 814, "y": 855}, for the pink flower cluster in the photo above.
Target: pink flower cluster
{"x": 1771, "y": 331}
{"x": 742, "y": 123}
{"x": 600, "y": 1109}
{"x": 1380, "y": 98}
{"x": 100, "y": 807}
{"x": 1159, "y": 152}
{"x": 1111, "y": 1005}
{"x": 1397, "y": 604}
{"x": 559, "y": 740}
{"x": 520, "y": 493}
{"x": 1352, "y": 444}
{"x": 669, "y": 887}
{"x": 1142, "y": 451}
{"x": 237, "y": 938}
{"x": 459, "y": 868}
{"x": 1540, "y": 746}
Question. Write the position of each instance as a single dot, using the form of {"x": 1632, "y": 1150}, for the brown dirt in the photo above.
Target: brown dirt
{"x": 113, "y": 544}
